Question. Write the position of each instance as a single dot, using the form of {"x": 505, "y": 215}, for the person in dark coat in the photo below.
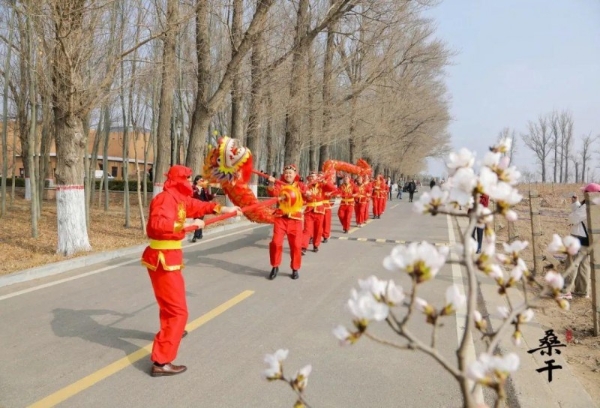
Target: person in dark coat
{"x": 432, "y": 184}
{"x": 202, "y": 193}
{"x": 412, "y": 187}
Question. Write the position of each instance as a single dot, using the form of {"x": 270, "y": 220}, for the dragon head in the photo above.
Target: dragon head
{"x": 228, "y": 162}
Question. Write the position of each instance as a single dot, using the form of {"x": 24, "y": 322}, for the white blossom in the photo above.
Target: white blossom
{"x": 492, "y": 370}
{"x": 517, "y": 273}
{"x": 491, "y": 159}
{"x": 515, "y": 247}
{"x": 430, "y": 202}
{"x": 567, "y": 245}
{"x": 301, "y": 378}
{"x": 383, "y": 290}
{"x": 487, "y": 180}
{"x": 422, "y": 305}
{"x": 420, "y": 259}
{"x": 464, "y": 158}
{"x": 526, "y": 316}
{"x": 511, "y": 216}
{"x": 343, "y": 335}
{"x": 365, "y": 307}
{"x": 503, "y": 145}
{"x": 274, "y": 362}
{"x": 555, "y": 280}
{"x": 505, "y": 193}
{"x": 454, "y": 299}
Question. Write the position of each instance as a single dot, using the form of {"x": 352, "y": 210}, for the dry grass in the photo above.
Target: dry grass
{"x": 583, "y": 353}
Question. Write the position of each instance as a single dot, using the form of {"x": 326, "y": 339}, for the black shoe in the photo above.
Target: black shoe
{"x": 325, "y": 240}
{"x": 194, "y": 239}
{"x": 185, "y": 333}
{"x": 316, "y": 249}
{"x": 345, "y": 231}
{"x": 295, "y": 275}
{"x": 274, "y": 272}
{"x": 303, "y": 251}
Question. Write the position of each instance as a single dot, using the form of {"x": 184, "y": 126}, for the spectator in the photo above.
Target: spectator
{"x": 203, "y": 194}
{"x": 400, "y": 186}
{"x": 578, "y": 282}
{"x": 412, "y": 187}
{"x": 432, "y": 184}
{"x": 150, "y": 175}
{"x": 390, "y": 188}
{"x": 484, "y": 200}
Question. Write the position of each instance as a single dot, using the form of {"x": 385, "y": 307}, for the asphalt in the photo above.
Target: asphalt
{"x": 77, "y": 335}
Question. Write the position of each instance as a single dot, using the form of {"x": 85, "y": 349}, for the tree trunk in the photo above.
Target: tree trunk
{"x": 32, "y": 136}
{"x": 313, "y": 161}
{"x": 165, "y": 106}
{"x": 271, "y": 156}
{"x": 200, "y": 117}
{"x": 354, "y": 138}
{"x": 70, "y": 199}
{"x": 5, "y": 115}
{"x": 237, "y": 98}
{"x": 327, "y": 85}
{"x": 256, "y": 102}
{"x": 293, "y": 139}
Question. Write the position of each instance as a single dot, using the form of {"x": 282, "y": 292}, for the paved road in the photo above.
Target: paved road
{"x": 81, "y": 340}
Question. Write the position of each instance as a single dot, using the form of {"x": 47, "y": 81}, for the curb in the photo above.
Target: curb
{"x": 82, "y": 261}
{"x": 530, "y": 388}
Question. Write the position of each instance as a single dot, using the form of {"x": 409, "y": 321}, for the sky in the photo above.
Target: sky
{"x": 515, "y": 60}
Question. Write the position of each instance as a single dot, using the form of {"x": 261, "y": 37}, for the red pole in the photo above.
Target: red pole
{"x": 222, "y": 217}
{"x": 266, "y": 176}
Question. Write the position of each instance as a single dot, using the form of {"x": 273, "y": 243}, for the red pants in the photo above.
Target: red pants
{"x": 169, "y": 290}
{"x": 327, "y": 223}
{"x": 377, "y": 206}
{"x": 365, "y": 209}
{"x": 313, "y": 227}
{"x": 359, "y": 210}
{"x": 345, "y": 215}
{"x": 293, "y": 229}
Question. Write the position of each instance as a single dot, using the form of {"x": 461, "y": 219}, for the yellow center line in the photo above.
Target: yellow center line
{"x": 357, "y": 228}
{"x": 113, "y": 368}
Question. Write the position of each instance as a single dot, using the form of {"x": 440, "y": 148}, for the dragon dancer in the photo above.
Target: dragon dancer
{"x": 315, "y": 210}
{"x": 288, "y": 220}
{"x": 163, "y": 258}
{"x": 347, "y": 192}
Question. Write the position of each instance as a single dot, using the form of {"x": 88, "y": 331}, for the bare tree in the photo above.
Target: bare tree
{"x": 539, "y": 140}
{"x": 585, "y": 153}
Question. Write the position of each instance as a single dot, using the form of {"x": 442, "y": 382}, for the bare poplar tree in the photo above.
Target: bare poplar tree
{"x": 585, "y": 154}
{"x": 539, "y": 140}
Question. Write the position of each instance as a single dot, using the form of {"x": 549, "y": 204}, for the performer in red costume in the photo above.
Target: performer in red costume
{"x": 315, "y": 210}
{"x": 287, "y": 222}
{"x": 328, "y": 202}
{"x": 369, "y": 194}
{"x": 347, "y": 191}
{"x": 360, "y": 201}
{"x": 379, "y": 195}
{"x": 166, "y": 229}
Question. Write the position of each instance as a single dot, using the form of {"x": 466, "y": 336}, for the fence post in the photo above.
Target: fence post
{"x": 593, "y": 219}
{"x": 536, "y": 231}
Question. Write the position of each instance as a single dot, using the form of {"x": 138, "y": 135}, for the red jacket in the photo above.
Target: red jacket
{"x": 166, "y": 230}
{"x": 315, "y": 201}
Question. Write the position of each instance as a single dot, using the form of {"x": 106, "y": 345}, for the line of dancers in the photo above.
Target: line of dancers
{"x": 313, "y": 224}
